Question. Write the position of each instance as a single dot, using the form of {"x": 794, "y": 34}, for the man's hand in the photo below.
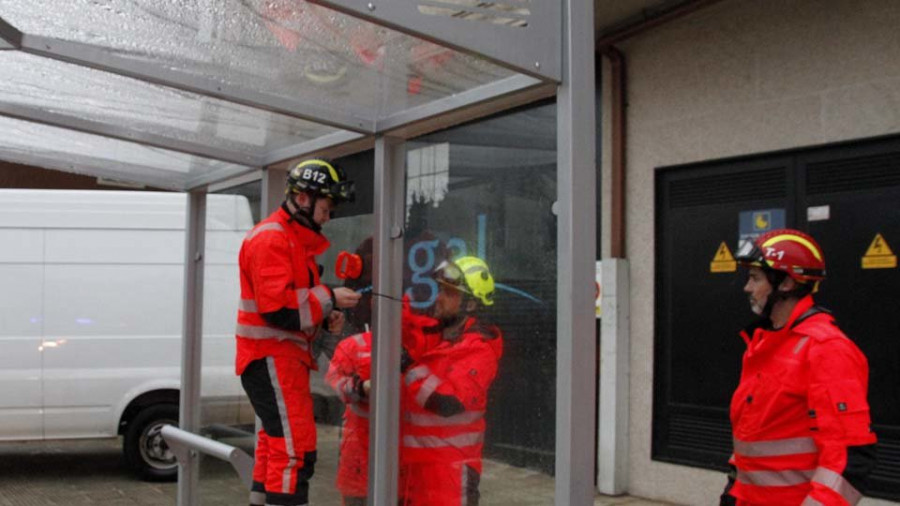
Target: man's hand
{"x": 367, "y": 387}
{"x": 345, "y": 297}
{"x": 335, "y": 322}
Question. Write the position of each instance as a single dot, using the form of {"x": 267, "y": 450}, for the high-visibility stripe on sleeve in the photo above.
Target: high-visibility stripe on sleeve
{"x": 247, "y": 305}
{"x": 323, "y": 296}
{"x": 417, "y": 373}
{"x": 784, "y": 478}
{"x": 775, "y": 447}
{"x": 457, "y": 441}
{"x": 262, "y": 228}
{"x": 359, "y": 340}
{"x": 306, "y": 317}
{"x": 429, "y": 420}
{"x": 833, "y": 480}
{"x": 427, "y": 389}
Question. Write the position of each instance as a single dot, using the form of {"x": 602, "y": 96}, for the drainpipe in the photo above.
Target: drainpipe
{"x": 617, "y": 76}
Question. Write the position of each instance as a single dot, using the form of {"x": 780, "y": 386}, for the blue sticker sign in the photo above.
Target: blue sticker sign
{"x": 754, "y": 223}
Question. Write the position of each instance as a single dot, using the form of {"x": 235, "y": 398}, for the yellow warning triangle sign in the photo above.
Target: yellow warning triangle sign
{"x": 879, "y": 255}
{"x": 723, "y": 261}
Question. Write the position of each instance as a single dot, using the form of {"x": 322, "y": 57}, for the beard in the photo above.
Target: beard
{"x": 757, "y": 306}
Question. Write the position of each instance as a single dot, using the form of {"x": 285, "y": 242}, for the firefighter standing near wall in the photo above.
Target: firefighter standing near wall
{"x": 799, "y": 416}
{"x": 451, "y": 359}
{"x": 283, "y": 304}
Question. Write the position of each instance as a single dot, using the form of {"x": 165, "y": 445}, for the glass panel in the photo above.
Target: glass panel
{"x": 478, "y": 393}
{"x": 226, "y": 414}
{"x": 56, "y": 148}
{"x": 84, "y": 93}
{"x": 286, "y": 48}
{"x": 232, "y": 422}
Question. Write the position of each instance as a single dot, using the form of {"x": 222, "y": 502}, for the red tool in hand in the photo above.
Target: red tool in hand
{"x": 348, "y": 265}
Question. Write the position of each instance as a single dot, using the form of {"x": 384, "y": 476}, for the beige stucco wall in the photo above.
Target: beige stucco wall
{"x": 738, "y": 78}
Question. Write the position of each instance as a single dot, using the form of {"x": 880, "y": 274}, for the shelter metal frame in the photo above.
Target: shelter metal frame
{"x": 548, "y": 45}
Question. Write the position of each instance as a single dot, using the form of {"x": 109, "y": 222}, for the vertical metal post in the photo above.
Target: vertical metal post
{"x": 272, "y": 190}
{"x": 191, "y": 341}
{"x": 390, "y": 202}
{"x": 615, "y": 350}
{"x": 576, "y": 236}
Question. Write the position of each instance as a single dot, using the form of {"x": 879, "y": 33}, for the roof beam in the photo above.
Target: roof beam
{"x": 10, "y": 36}
{"x": 527, "y": 40}
{"x": 493, "y": 92}
{"x": 107, "y": 60}
{"x": 113, "y": 131}
{"x": 304, "y": 148}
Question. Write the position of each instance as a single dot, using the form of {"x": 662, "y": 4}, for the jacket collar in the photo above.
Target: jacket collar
{"x": 315, "y": 242}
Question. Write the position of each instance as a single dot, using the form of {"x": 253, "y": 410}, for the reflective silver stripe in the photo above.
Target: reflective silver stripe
{"x": 427, "y": 389}
{"x": 417, "y": 373}
{"x": 285, "y": 426}
{"x": 258, "y": 498}
{"x": 775, "y": 447}
{"x": 323, "y": 295}
{"x": 306, "y": 319}
{"x": 464, "y": 484}
{"x": 262, "y": 228}
{"x": 359, "y": 340}
{"x": 457, "y": 441}
{"x": 809, "y": 501}
{"x": 427, "y": 420}
{"x": 800, "y": 345}
{"x": 261, "y": 332}
{"x": 784, "y": 478}
{"x": 360, "y": 412}
{"x": 833, "y": 480}
{"x": 247, "y": 305}
{"x": 364, "y": 354}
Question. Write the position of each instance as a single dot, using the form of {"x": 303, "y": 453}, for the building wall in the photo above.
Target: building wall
{"x": 735, "y": 79}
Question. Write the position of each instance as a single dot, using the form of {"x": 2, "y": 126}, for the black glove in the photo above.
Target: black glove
{"x": 405, "y": 361}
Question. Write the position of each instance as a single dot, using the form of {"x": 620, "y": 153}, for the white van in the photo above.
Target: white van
{"x": 91, "y": 317}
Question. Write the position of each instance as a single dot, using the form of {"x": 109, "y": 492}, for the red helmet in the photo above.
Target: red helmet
{"x": 790, "y": 251}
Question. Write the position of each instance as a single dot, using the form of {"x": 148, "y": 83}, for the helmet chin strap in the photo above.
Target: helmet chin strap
{"x": 303, "y": 215}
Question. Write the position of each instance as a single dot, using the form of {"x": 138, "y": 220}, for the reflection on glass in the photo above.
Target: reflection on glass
{"x": 477, "y": 392}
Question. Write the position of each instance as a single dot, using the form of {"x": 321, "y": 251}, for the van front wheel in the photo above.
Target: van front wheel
{"x": 145, "y": 450}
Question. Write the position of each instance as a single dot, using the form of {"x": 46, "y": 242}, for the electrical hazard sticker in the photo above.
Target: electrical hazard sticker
{"x": 723, "y": 261}
{"x": 879, "y": 255}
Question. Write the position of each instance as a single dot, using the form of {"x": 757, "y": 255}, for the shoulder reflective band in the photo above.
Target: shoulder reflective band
{"x": 785, "y": 478}
{"x": 427, "y": 389}
{"x": 775, "y": 447}
{"x": 458, "y": 441}
{"x": 262, "y": 228}
{"x": 833, "y": 480}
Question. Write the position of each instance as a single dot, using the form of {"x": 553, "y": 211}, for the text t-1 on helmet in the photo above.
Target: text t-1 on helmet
{"x": 470, "y": 275}
{"x": 322, "y": 179}
{"x": 790, "y": 251}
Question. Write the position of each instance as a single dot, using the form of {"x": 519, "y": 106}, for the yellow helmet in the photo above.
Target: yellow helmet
{"x": 470, "y": 275}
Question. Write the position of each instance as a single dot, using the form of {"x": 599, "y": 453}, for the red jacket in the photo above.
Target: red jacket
{"x": 278, "y": 270}
{"x": 350, "y": 365}
{"x": 801, "y": 403}
{"x": 460, "y": 367}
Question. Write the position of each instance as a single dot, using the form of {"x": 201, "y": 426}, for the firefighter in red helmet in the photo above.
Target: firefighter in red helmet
{"x": 283, "y": 305}
{"x": 800, "y": 418}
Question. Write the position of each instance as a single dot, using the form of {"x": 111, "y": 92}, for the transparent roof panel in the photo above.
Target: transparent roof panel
{"x": 285, "y": 48}
{"x": 36, "y": 83}
{"x": 57, "y": 148}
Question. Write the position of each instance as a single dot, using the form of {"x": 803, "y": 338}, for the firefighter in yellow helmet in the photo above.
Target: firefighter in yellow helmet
{"x": 445, "y": 389}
